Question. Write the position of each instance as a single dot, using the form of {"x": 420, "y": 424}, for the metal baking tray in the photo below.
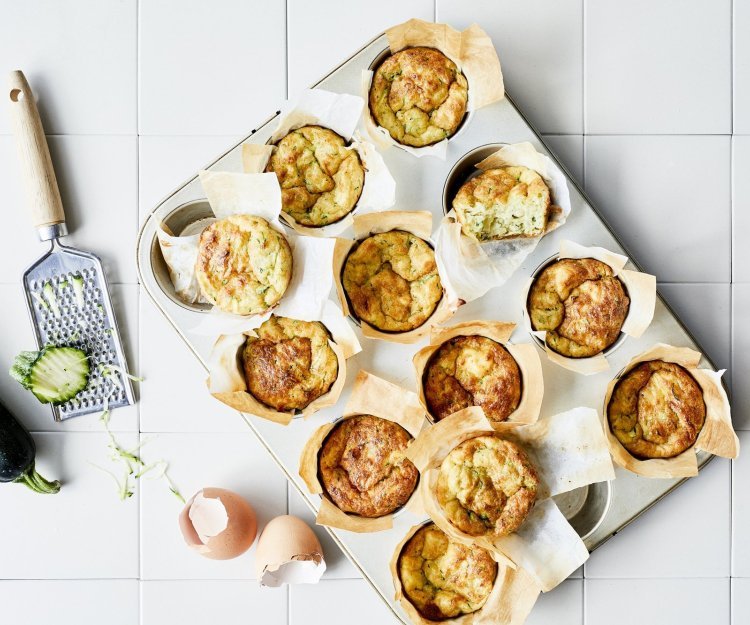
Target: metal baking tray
{"x": 597, "y": 512}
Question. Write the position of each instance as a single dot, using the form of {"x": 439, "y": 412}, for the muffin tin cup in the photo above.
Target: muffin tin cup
{"x": 716, "y": 437}
{"x": 418, "y": 223}
{"x": 513, "y": 592}
{"x": 463, "y": 170}
{"x": 370, "y": 396}
{"x": 525, "y": 356}
{"x": 621, "y": 338}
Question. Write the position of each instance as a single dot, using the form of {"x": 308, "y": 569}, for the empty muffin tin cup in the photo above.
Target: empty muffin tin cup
{"x": 464, "y": 170}
{"x": 376, "y": 62}
{"x": 585, "y": 508}
{"x": 176, "y": 221}
{"x": 618, "y": 341}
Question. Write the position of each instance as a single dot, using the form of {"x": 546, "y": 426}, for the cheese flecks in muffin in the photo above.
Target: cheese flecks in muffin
{"x": 507, "y": 202}
{"x": 392, "y": 281}
{"x": 419, "y": 96}
{"x": 443, "y": 579}
{"x": 581, "y": 305}
{"x": 472, "y": 371}
{"x": 290, "y": 363}
{"x": 487, "y": 486}
{"x": 363, "y": 468}
{"x": 321, "y": 178}
{"x": 244, "y": 266}
{"x": 656, "y": 410}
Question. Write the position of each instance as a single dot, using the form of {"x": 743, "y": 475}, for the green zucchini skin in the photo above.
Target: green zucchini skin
{"x": 17, "y": 454}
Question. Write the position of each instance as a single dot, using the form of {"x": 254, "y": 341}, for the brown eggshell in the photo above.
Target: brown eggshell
{"x": 235, "y": 539}
{"x": 288, "y": 552}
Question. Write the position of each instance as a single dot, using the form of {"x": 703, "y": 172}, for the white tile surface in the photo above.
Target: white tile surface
{"x": 198, "y": 602}
{"x": 640, "y": 185}
{"x": 741, "y": 509}
{"x": 740, "y": 206}
{"x": 349, "y": 25}
{"x": 79, "y": 57}
{"x": 647, "y": 74}
{"x": 706, "y": 310}
{"x": 741, "y": 67}
{"x": 233, "y": 461}
{"x": 18, "y": 336}
{"x": 164, "y": 163}
{"x": 338, "y": 602}
{"x": 657, "y": 602}
{"x": 740, "y": 355}
{"x": 740, "y": 601}
{"x": 686, "y": 535}
{"x": 83, "y": 602}
{"x": 214, "y": 68}
{"x": 569, "y": 151}
{"x": 338, "y": 565}
{"x": 98, "y": 180}
{"x": 82, "y": 532}
{"x": 561, "y": 606}
{"x": 527, "y": 35}
{"x": 177, "y": 400}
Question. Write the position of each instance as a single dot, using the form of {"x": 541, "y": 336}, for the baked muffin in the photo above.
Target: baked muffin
{"x": 444, "y": 579}
{"x": 487, "y": 486}
{"x": 363, "y": 468}
{"x": 503, "y": 203}
{"x": 244, "y": 266}
{"x": 392, "y": 281}
{"x": 321, "y": 178}
{"x": 290, "y": 364}
{"x": 419, "y": 96}
{"x": 656, "y": 410}
{"x": 472, "y": 371}
{"x": 581, "y": 305}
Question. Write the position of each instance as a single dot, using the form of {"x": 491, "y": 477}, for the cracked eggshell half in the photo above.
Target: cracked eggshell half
{"x": 288, "y": 552}
{"x": 218, "y": 524}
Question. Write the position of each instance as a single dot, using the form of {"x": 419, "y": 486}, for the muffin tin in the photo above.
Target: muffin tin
{"x": 597, "y": 512}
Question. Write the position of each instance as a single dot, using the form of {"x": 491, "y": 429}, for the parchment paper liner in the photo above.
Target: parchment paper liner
{"x": 568, "y": 451}
{"x": 471, "y": 50}
{"x": 717, "y": 436}
{"x": 525, "y": 355}
{"x": 641, "y": 289}
{"x": 226, "y": 381}
{"x": 473, "y": 268}
{"x": 339, "y": 112}
{"x": 370, "y": 396}
{"x": 231, "y": 193}
{"x": 419, "y": 223}
{"x": 513, "y": 595}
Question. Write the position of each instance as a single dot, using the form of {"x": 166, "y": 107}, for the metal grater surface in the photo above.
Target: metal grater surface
{"x": 86, "y": 321}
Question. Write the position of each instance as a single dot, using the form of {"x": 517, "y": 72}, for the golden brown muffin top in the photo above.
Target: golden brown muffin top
{"x": 419, "y": 96}
{"x": 656, "y": 410}
{"x": 321, "y": 178}
{"x": 244, "y": 266}
{"x": 503, "y": 203}
{"x": 363, "y": 468}
{"x": 392, "y": 281}
{"x": 487, "y": 486}
{"x": 290, "y": 364}
{"x": 444, "y": 579}
{"x": 472, "y": 371}
{"x": 581, "y": 304}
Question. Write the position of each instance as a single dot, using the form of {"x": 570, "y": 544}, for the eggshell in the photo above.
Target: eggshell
{"x": 288, "y": 552}
{"x": 218, "y": 524}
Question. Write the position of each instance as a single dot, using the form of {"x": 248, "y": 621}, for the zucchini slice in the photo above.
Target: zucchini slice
{"x": 54, "y": 375}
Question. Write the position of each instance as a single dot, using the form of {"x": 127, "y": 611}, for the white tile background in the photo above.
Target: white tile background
{"x": 645, "y": 102}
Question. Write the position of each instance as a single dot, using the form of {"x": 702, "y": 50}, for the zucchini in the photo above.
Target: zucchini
{"x": 17, "y": 454}
{"x": 54, "y": 375}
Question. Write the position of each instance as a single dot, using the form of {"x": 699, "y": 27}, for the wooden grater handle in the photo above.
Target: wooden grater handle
{"x": 36, "y": 166}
